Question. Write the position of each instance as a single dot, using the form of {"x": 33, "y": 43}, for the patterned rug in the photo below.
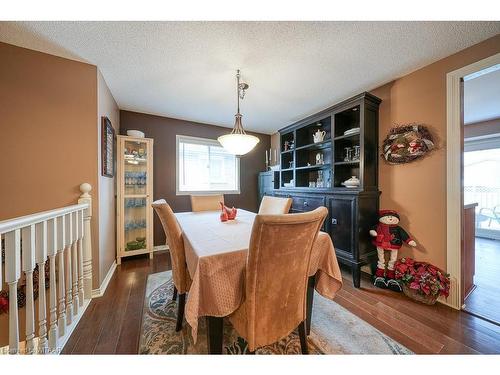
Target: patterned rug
{"x": 334, "y": 330}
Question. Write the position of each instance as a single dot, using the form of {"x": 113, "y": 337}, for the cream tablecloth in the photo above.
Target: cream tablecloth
{"x": 216, "y": 255}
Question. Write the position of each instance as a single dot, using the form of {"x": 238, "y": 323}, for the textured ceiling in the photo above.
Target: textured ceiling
{"x": 187, "y": 69}
{"x": 482, "y": 98}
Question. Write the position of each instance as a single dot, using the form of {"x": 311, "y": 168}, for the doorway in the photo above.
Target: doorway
{"x": 454, "y": 174}
{"x": 481, "y": 194}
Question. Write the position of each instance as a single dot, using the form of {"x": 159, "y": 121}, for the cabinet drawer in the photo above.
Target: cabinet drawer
{"x": 305, "y": 203}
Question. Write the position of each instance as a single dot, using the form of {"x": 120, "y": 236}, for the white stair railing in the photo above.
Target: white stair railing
{"x": 61, "y": 237}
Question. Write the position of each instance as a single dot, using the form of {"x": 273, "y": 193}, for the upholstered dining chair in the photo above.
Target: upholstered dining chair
{"x": 276, "y": 278}
{"x": 180, "y": 274}
{"x": 206, "y": 202}
{"x": 274, "y": 205}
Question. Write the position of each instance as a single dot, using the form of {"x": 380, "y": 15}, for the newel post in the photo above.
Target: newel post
{"x": 85, "y": 188}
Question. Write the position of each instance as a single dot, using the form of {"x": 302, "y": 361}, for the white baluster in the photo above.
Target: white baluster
{"x": 67, "y": 251}
{"x": 61, "y": 240}
{"x": 74, "y": 257}
{"x": 12, "y": 275}
{"x": 52, "y": 251}
{"x": 41, "y": 256}
{"x": 28, "y": 257}
{"x": 85, "y": 188}
{"x": 80, "y": 258}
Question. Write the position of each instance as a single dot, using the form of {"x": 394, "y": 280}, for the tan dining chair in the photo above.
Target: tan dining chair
{"x": 276, "y": 278}
{"x": 274, "y": 205}
{"x": 206, "y": 202}
{"x": 180, "y": 274}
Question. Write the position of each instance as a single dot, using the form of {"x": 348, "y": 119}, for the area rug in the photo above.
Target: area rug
{"x": 334, "y": 330}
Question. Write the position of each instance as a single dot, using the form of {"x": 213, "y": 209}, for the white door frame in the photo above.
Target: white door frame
{"x": 454, "y": 173}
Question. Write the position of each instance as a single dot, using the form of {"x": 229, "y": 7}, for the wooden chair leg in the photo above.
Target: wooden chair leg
{"x": 174, "y": 296}
{"x": 215, "y": 334}
{"x": 180, "y": 311}
{"x": 303, "y": 337}
{"x": 311, "y": 282}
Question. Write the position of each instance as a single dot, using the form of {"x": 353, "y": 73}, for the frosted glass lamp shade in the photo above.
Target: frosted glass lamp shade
{"x": 238, "y": 144}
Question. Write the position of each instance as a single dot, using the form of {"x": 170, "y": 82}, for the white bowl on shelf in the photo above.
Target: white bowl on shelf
{"x": 353, "y": 182}
{"x": 135, "y": 133}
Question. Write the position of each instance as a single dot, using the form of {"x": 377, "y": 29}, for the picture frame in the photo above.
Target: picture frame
{"x": 107, "y": 148}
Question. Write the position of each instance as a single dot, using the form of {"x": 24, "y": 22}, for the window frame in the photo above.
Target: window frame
{"x": 208, "y": 142}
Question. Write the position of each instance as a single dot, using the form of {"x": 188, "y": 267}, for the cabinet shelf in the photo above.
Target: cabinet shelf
{"x": 316, "y": 166}
{"x": 346, "y": 136}
{"x": 315, "y": 146}
{"x": 353, "y": 162}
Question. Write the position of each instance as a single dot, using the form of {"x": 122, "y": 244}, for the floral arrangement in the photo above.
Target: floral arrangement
{"x": 422, "y": 278}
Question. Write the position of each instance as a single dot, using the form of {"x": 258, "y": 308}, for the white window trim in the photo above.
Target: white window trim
{"x": 205, "y": 141}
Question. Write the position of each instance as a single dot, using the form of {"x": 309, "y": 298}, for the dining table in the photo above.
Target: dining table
{"x": 216, "y": 255}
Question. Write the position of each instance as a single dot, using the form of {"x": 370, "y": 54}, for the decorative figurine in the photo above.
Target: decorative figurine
{"x": 389, "y": 236}
{"x": 227, "y": 213}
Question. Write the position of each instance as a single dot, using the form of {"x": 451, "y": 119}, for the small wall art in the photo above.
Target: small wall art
{"x": 107, "y": 148}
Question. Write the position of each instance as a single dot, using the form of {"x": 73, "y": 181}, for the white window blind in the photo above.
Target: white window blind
{"x": 203, "y": 166}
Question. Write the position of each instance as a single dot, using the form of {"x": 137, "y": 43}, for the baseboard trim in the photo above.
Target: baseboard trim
{"x": 99, "y": 292}
{"x": 63, "y": 340}
{"x": 160, "y": 248}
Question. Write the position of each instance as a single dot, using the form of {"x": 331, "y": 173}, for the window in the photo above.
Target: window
{"x": 482, "y": 186}
{"x": 203, "y": 166}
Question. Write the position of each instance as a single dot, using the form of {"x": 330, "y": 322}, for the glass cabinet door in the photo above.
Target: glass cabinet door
{"x": 135, "y": 182}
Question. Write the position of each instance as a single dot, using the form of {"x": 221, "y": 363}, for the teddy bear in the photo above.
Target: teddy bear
{"x": 388, "y": 236}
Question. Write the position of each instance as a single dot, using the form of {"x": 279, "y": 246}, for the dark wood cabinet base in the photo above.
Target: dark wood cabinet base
{"x": 356, "y": 275}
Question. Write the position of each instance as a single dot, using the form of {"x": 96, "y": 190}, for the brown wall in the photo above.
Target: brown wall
{"x": 48, "y": 131}
{"x": 164, "y": 130}
{"x": 418, "y": 190}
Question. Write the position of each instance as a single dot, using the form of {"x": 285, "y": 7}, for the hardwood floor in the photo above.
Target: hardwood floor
{"x": 485, "y": 298}
{"x": 112, "y": 322}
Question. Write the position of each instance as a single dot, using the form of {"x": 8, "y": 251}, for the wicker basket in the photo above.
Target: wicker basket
{"x": 416, "y": 296}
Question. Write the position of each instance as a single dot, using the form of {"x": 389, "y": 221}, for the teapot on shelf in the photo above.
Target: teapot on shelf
{"x": 319, "y": 136}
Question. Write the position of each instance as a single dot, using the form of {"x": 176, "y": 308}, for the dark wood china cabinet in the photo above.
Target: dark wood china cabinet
{"x": 320, "y": 155}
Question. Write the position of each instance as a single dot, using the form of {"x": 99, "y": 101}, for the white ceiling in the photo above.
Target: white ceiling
{"x": 187, "y": 69}
{"x": 482, "y": 97}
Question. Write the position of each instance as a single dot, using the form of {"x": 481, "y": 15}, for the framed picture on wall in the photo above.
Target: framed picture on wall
{"x": 107, "y": 148}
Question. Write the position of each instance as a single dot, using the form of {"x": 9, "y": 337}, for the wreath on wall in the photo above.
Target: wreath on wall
{"x": 21, "y": 289}
{"x": 406, "y": 143}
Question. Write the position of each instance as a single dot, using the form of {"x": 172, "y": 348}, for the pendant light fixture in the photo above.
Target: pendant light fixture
{"x": 238, "y": 142}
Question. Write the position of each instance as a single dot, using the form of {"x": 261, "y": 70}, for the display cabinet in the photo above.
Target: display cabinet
{"x": 331, "y": 159}
{"x": 134, "y": 197}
